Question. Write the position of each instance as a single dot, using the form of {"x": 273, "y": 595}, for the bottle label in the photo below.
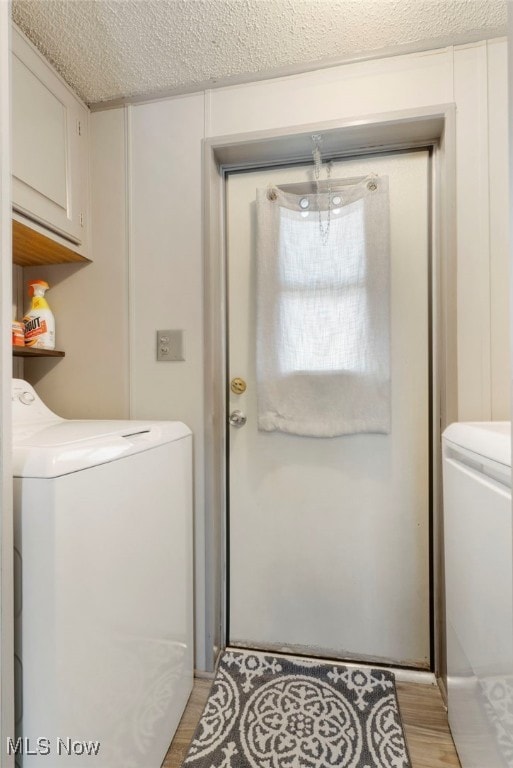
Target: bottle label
{"x": 18, "y": 334}
{"x": 35, "y": 327}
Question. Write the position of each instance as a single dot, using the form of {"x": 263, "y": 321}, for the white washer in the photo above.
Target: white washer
{"x": 479, "y": 591}
{"x": 103, "y": 554}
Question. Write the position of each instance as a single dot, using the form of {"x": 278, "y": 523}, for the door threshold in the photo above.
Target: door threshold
{"x": 402, "y": 674}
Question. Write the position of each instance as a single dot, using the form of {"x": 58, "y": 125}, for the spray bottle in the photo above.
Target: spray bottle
{"x": 39, "y": 320}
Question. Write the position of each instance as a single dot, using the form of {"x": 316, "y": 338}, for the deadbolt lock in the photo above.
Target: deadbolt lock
{"x": 238, "y": 386}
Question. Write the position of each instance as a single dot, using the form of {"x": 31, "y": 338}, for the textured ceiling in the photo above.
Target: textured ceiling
{"x": 110, "y": 49}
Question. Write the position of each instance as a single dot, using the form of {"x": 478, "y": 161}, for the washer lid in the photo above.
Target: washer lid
{"x": 59, "y": 448}
{"x": 489, "y": 439}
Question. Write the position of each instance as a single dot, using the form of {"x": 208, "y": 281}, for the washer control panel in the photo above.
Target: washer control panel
{"x": 26, "y": 397}
{"x": 27, "y": 406}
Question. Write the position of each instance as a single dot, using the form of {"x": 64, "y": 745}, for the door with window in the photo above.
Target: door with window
{"x": 328, "y": 530}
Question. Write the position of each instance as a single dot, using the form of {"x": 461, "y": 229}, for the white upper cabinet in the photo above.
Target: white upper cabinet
{"x": 49, "y": 145}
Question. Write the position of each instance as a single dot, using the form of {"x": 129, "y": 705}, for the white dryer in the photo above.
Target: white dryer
{"x": 478, "y": 535}
{"x": 103, "y": 554}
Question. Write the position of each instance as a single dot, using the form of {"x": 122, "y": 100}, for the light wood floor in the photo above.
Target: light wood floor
{"x": 422, "y": 711}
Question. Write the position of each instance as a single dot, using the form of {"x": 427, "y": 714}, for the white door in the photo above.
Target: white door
{"x": 329, "y": 537}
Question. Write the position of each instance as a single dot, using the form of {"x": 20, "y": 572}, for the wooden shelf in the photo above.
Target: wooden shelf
{"x": 30, "y": 352}
{"x": 32, "y": 249}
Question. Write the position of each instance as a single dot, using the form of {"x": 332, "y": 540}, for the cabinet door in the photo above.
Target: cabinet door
{"x": 47, "y": 123}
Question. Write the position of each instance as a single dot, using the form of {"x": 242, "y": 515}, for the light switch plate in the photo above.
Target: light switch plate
{"x": 170, "y": 346}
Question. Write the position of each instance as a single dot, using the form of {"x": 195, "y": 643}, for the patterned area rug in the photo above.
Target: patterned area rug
{"x": 277, "y": 712}
{"x": 497, "y": 695}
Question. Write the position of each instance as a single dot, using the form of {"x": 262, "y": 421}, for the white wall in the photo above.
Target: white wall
{"x": 90, "y": 303}
{"x": 166, "y": 286}
{"x": 351, "y": 90}
{"x": 147, "y": 228}
{"x": 499, "y": 227}
{"x": 510, "y": 185}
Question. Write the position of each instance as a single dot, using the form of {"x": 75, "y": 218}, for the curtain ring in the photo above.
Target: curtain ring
{"x": 271, "y": 194}
{"x": 372, "y": 186}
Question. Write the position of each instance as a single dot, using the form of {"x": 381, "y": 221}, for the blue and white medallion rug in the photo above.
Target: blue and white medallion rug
{"x": 280, "y": 712}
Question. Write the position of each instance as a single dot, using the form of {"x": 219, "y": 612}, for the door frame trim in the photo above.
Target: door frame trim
{"x": 433, "y": 126}
{"x": 7, "y": 714}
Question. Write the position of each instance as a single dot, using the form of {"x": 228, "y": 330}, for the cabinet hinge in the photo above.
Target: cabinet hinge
{"x": 81, "y": 219}
{"x": 79, "y": 128}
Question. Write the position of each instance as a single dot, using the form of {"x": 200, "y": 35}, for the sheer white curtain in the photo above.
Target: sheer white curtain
{"x": 323, "y": 314}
